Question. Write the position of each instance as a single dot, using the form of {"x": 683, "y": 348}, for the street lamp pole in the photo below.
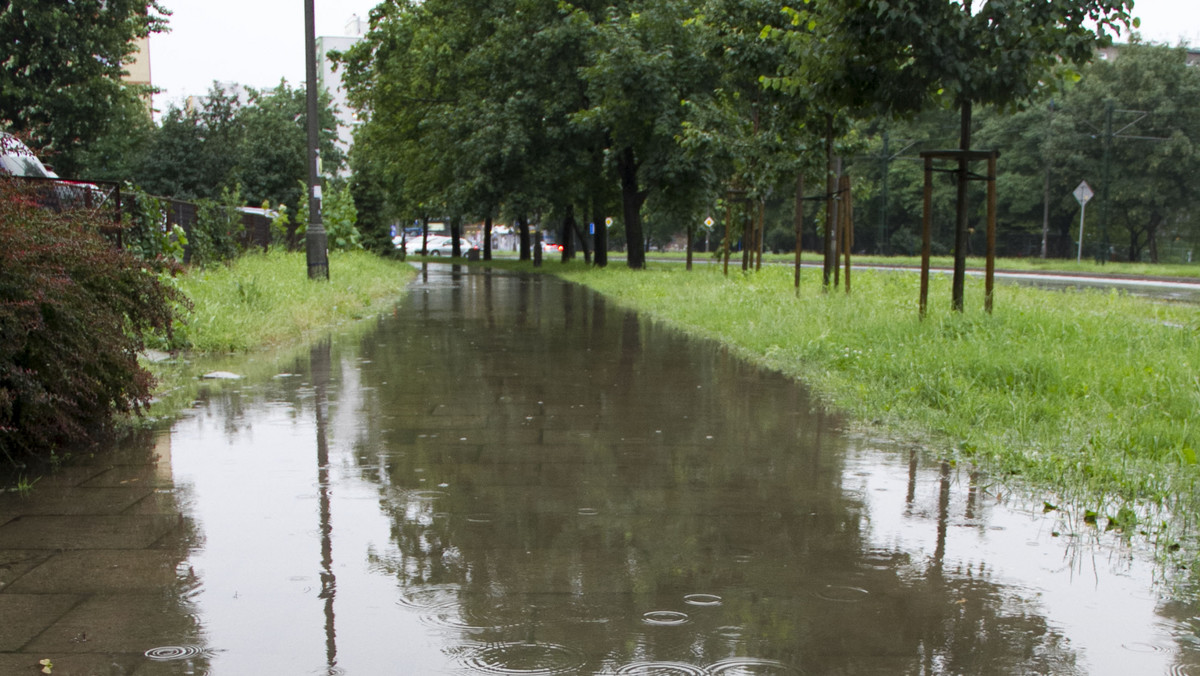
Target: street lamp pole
{"x": 316, "y": 243}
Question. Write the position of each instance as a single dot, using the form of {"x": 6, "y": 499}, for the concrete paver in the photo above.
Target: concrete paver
{"x": 75, "y": 500}
{"x": 99, "y": 571}
{"x": 26, "y": 615}
{"x": 85, "y": 532}
{"x": 124, "y": 623}
{"x": 16, "y": 562}
{"x": 93, "y": 664}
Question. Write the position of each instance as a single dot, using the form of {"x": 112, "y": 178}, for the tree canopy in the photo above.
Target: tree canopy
{"x": 62, "y": 68}
{"x": 537, "y": 111}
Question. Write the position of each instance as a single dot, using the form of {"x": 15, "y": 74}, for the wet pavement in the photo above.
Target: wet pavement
{"x": 511, "y": 476}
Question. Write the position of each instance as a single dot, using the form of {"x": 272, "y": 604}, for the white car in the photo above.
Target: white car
{"x": 16, "y": 159}
{"x": 435, "y": 245}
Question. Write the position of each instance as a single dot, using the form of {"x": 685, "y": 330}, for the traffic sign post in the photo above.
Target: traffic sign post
{"x": 1083, "y": 193}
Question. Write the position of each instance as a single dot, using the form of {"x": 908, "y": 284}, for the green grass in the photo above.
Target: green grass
{"x": 250, "y": 315}
{"x": 1093, "y": 395}
{"x": 265, "y": 300}
{"x": 1085, "y": 267}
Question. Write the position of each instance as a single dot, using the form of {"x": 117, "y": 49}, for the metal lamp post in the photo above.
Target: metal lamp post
{"x": 316, "y": 243}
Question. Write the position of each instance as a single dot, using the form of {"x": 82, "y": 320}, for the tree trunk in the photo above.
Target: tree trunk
{"x": 601, "y": 241}
{"x": 1151, "y": 238}
{"x": 587, "y": 251}
{"x": 567, "y": 237}
{"x": 830, "y": 205}
{"x": 523, "y": 229}
{"x": 487, "y": 238}
{"x": 1046, "y": 212}
{"x": 798, "y": 219}
{"x": 631, "y": 208}
{"x": 962, "y": 214}
{"x": 455, "y": 234}
{"x": 537, "y": 246}
{"x": 690, "y": 229}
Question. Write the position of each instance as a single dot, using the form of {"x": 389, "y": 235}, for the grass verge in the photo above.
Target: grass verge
{"x": 1187, "y": 272}
{"x": 265, "y": 299}
{"x": 264, "y": 304}
{"x": 1094, "y": 395}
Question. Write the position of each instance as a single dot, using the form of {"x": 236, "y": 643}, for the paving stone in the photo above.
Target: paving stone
{"x": 90, "y": 664}
{"x": 85, "y": 532}
{"x": 125, "y": 623}
{"x": 150, "y": 476}
{"x": 159, "y": 501}
{"x": 99, "y": 571}
{"x": 73, "y": 500}
{"x": 71, "y": 476}
{"x": 27, "y": 615}
{"x": 15, "y": 563}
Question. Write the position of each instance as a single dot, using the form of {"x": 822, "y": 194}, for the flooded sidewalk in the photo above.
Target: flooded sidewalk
{"x": 508, "y": 475}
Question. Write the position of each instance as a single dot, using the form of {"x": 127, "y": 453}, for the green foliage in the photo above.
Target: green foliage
{"x": 257, "y": 148}
{"x": 192, "y": 154}
{"x": 270, "y": 156}
{"x": 339, "y": 217}
{"x": 279, "y": 224}
{"x": 216, "y": 235}
{"x": 261, "y": 300}
{"x": 62, "y": 69}
{"x": 1145, "y": 184}
{"x": 1088, "y": 392}
{"x": 146, "y": 234}
{"x": 74, "y": 314}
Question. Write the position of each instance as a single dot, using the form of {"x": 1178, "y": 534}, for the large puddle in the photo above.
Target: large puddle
{"x": 510, "y": 476}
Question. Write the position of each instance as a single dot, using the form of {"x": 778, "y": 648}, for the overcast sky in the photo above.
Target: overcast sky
{"x": 258, "y": 42}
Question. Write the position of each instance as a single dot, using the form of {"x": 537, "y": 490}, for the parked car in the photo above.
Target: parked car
{"x": 435, "y": 245}
{"x": 16, "y": 159}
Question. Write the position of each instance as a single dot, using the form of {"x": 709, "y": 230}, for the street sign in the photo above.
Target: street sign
{"x": 708, "y": 222}
{"x": 608, "y": 221}
{"x": 1083, "y": 193}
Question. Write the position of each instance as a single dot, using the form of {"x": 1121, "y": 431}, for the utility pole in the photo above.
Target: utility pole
{"x": 316, "y": 242}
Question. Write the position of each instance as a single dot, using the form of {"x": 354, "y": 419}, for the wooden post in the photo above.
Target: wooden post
{"x": 847, "y": 229}
{"x": 799, "y": 221}
{"x": 989, "y": 283}
{"x": 837, "y": 232}
{"x": 759, "y": 227}
{"x": 728, "y": 226}
{"x": 830, "y": 208}
{"x": 925, "y": 235}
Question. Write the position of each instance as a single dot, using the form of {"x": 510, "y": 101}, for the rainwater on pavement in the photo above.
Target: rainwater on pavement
{"x": 509, "y": 475}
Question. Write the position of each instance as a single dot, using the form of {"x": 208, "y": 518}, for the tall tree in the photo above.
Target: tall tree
{"x": 646, "y": 60}
{"x": 1131, "y": 128}
{"x": 62, "y": 67}
{"x": 269, "y": 155}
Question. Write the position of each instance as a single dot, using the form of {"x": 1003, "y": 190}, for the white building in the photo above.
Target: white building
{"x": 330, "y": 80}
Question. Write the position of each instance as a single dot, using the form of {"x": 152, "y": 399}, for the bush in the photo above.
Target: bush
{"x": 217, "y": 234}
{"x": 74, "y": 311}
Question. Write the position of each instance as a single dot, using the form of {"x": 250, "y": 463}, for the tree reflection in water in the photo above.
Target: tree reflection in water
{"x": 562, "y": 477}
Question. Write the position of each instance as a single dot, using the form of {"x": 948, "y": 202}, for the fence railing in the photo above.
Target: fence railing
{"x": 145, "y": 223}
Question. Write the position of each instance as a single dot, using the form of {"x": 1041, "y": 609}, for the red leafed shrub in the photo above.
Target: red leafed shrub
{"x": 73, "y": 313}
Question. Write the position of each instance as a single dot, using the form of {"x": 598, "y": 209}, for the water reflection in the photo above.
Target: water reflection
{"x": 517, "y": 478}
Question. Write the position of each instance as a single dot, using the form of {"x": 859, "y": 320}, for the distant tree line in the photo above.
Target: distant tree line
{"x": 660, "y": 114}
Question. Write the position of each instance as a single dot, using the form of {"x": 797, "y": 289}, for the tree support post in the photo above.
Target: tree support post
{"x": 962, "y": 157}
{"x": 990, "y": 277}
{"x": 926, "y": 220}
{"x": 846, "y": 230}
{"x": 799, "y": 222}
